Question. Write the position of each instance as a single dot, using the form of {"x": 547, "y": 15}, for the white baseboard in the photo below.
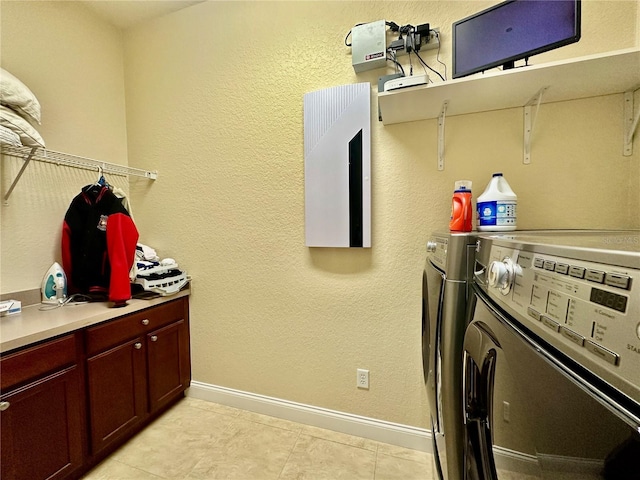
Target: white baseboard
{"x": 533, "y": 465}
{"x": 589, "y": 467}
{"x": 514, "y": 461}
{"x": 379, "y": 430}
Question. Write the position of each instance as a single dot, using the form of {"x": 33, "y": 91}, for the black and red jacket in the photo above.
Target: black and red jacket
{"x": 98, "y": 244}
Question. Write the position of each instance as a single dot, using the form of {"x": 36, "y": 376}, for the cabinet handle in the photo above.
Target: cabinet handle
{"x": 137, "y": 345}
{"x": 154, "y": 338}
{"x": 4, "y": 406}
{"x": 145, "y": 321}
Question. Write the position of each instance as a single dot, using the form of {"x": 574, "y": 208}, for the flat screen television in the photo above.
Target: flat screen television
{"x": 513, "y": 30}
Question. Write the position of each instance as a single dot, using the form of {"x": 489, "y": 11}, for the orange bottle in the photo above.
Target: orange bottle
{"x": 461, "y": 208}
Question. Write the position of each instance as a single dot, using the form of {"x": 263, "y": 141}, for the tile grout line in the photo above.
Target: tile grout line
{"x": 375, "y": 465}
{"x": 295, "y": 444}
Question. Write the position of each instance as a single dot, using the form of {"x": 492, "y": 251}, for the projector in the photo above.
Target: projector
{"x": 404, "y": 82}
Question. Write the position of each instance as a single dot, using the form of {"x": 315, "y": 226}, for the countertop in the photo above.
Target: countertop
{"x": 33, "y": 325}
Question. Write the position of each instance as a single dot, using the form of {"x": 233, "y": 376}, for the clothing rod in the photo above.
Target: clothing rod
{"x": 58, "y": 158}
{"x": 69, "y": 160}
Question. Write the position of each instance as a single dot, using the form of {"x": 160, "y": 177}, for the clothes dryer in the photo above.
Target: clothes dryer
{"x": 445, "y": 294}
{"x": 552, "y": 357}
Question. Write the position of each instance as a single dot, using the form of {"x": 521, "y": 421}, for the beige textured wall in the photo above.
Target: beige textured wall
{"x": 73, "y": 63}
{"x": 214, "y": 101}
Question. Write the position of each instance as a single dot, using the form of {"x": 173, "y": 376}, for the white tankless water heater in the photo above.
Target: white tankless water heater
{"x": 337, "y": 166}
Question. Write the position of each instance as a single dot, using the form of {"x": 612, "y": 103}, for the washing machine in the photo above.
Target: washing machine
{"x": 445, "y": 294}
{"x": 551, "y": 362}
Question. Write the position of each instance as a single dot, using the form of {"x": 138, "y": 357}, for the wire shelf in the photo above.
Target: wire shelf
{"x": 58, "y": 158}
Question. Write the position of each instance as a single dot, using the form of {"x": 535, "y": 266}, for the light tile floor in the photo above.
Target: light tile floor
{"x": 197, "y": 439}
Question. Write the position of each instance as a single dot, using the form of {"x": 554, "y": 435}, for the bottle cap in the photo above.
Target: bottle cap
{"x": 462, "y": 185}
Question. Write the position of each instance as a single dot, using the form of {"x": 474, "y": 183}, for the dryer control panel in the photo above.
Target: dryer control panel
{"x": 589, "y": 310}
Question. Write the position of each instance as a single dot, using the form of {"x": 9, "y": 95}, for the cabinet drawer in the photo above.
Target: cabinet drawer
{"x": 116, "y": 331}
{"x": 31, "y": 363}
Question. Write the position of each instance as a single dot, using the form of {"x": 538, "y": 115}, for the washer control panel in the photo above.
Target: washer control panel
{"x": 437, "y": 251}
{"x": 589, "y": 311}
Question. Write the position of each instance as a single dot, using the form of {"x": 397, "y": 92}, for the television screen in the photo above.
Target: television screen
{"x": 513, "y": 30}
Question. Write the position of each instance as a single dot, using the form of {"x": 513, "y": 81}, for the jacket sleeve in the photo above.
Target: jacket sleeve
{"x": 122, "y": 237}
{"x": 67, "y": 265}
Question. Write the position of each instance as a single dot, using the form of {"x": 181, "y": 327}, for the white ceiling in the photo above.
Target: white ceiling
{"x": 126, "y": 13}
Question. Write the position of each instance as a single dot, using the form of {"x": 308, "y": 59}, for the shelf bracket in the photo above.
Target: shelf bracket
{"x": 529, "y": 122}
{"x": 441, "y": 117}
{"x": 26, "y": 159}
{"x": 630, "y": 123}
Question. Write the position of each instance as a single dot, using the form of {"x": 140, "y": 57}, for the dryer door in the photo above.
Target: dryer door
{"x": 526, "y": 417}
{"x": 433, "y": 282}
{"x": 497, "y": 427}
{"x": 480, "y": 356}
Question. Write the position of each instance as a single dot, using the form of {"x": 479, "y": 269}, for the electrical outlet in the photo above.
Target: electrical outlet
{"x": 506, "y": 411}
{"x": 433, "y": 42}
{"x": 362, "y": 380}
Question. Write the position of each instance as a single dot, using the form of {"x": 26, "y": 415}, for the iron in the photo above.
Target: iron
{"x": 54, "y": 285}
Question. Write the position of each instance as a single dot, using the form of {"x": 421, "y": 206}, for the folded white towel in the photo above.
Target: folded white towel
{"x": 144, "y": 252}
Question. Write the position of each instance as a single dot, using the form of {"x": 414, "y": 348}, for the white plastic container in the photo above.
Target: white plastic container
{"x": 496, "y": 207}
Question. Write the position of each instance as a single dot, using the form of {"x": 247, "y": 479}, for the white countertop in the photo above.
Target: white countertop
{"x": 34, "y": 325}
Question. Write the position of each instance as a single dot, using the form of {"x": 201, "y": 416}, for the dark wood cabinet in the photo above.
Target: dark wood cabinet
{"x": 169, "y": 363}
{"x": 68, "y": 402}
{"x": 42, "y": 412}
{"x": 116, "y": 387}
{"x": 136, "y": 365}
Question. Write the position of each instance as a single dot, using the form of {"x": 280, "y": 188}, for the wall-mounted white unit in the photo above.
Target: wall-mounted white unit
{"x": 337, "y": 166}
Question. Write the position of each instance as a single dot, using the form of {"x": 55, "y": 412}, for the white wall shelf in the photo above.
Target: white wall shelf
{"x": 582, "y": 77}
{"x": 37, "y": 154}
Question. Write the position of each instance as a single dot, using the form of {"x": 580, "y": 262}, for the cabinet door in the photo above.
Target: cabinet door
{"x": 117, "y": 392}
{"x": 41, "y": 428}
{"x": 169, "y": 363}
